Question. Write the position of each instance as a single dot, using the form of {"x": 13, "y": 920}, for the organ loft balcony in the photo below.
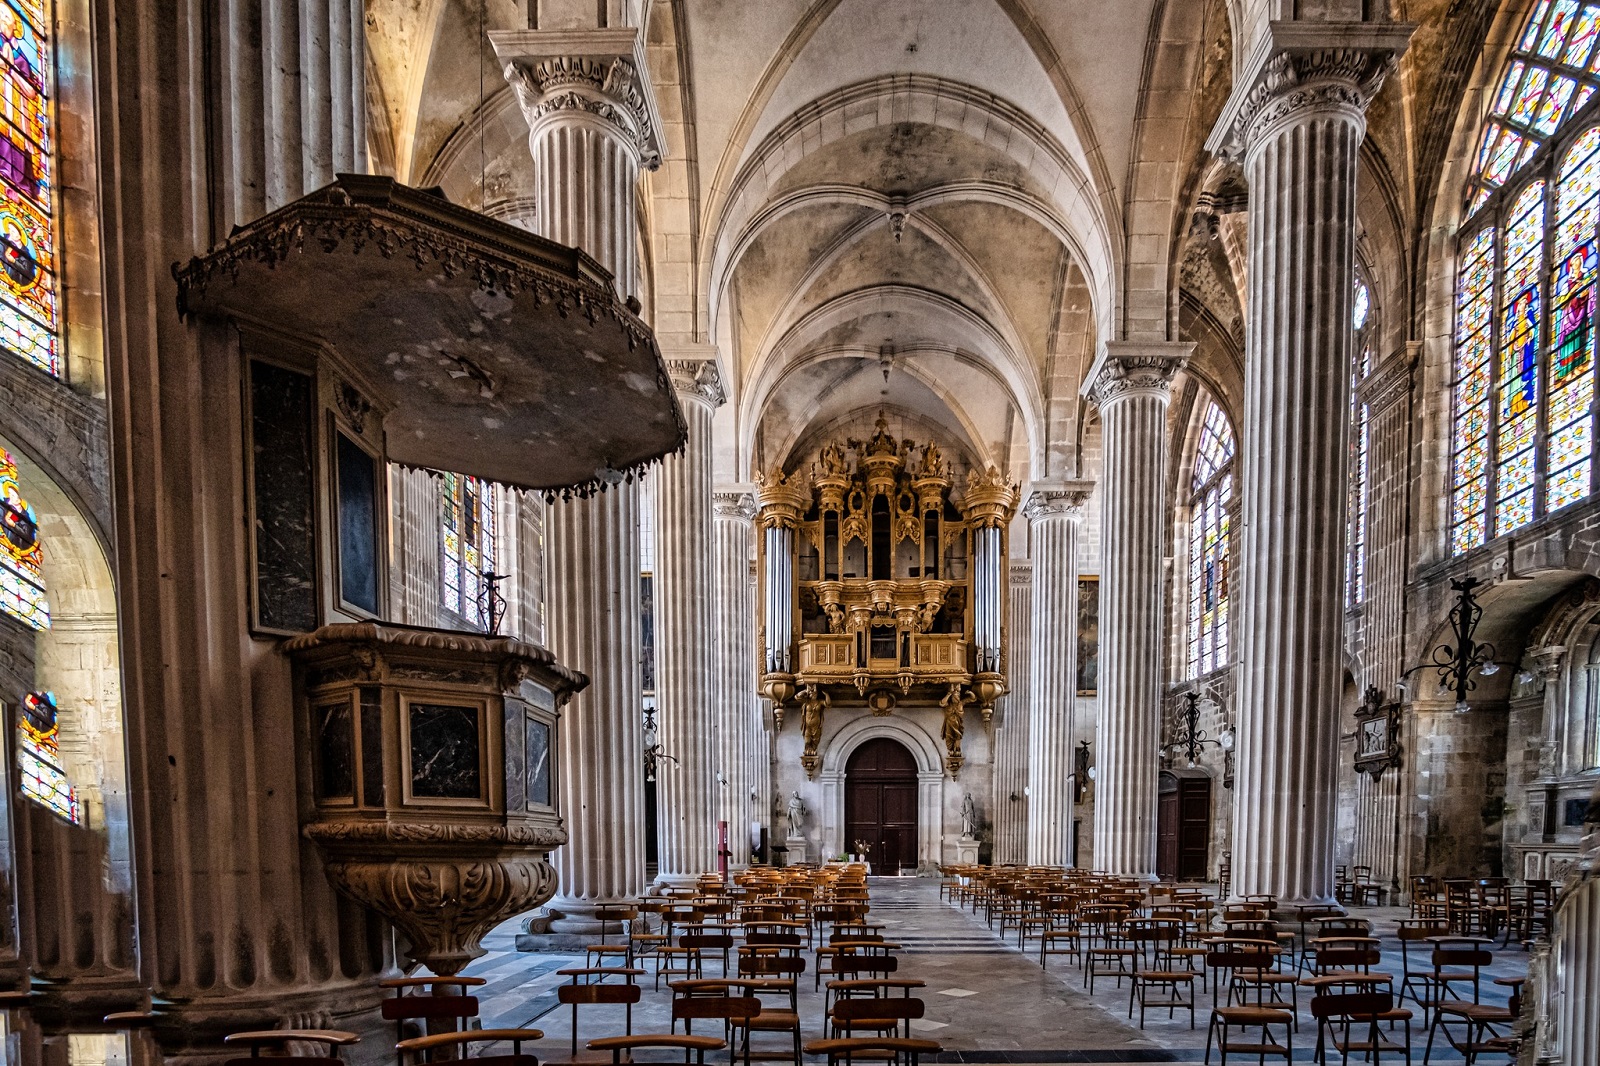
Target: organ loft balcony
{"x": 883, "y": 581}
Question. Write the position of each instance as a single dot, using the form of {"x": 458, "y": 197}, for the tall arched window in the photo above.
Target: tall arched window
{"x": 28, "y": 306}
{"x": 469, "y": 544}
{"x": 1522, "y": 440}
{"x": 1361, "y": 320}
{"x": 1211, "y": 496}
{"x": 21, "y": 555}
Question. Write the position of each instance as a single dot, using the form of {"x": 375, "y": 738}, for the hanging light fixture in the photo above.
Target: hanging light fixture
{"x": 1189, "y": 739}
{"x": 1457, "y": 663}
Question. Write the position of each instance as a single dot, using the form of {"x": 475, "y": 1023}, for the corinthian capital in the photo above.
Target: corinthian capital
{"x": 592, "y": 74}
{"x": 1303, "y": 67}
{"x": 734, "y": 503}
{"x": 1057, "y": 499}
{"x": 1125, "y": 369}
{"x": 697, "y": 379}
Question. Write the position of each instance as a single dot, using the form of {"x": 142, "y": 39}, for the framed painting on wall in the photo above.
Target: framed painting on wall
{"x": 1088, "y": 636}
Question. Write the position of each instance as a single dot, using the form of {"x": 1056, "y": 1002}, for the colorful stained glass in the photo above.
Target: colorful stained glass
{"x": 1528, "y": 95}
{"x": 1582, "y": 38}
{"x": 1215, "y": 450}
{"x": 28, "y": 307}
{"x": 1569, "y": 486}
{"x": 1209, "y": 542}
{"x": 1558, "y": 29}
{"x": 1515, "y": 511}
{"x": 1356, "y": 549}
{"x": 1553, "y": 104}
{"x": 1548, "y": 78}
{"x": 1530, "y": 34}
{"x": 22, "y": 592}
{"x": 1469, "y": 463}
{"x": 469, "y": 545}
{"x": 39, "y": 757}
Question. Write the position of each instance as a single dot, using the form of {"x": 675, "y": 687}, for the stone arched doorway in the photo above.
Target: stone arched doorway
{"x": 880, "y": 804}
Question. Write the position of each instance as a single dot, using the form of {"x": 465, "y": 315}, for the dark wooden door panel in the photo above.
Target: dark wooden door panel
{"x": 880, "y": 805}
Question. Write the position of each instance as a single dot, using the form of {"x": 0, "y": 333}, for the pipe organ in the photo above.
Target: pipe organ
{"x": 883, "y": 582}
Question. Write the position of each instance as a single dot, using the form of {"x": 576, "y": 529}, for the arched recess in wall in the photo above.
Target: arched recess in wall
{"x": 74, "y": 883}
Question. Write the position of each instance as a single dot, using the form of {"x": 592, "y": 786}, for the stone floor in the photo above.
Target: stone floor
{"x": 986, "y": 1001}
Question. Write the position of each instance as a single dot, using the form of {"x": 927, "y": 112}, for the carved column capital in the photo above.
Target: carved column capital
{"x": 1124, "y": 369}
{"x": 1021, "y": 571}
{"x": 597, "y": 75}
{"x": 734, "y": 503}
{"x": 1061, "y": 499}
{"x": 697, "y": 379}
{"x": 1303, "y": 68}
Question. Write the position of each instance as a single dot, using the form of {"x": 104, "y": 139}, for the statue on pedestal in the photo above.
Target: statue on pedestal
{"x": 969, "y": 818}
{"x": 796, "y": 814}
{"x": 813, "y": 702}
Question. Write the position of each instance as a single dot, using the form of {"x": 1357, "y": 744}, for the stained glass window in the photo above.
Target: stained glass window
{"x": 1572, "y": 295}
{"x": 1469, "y": 524}
{"x": 1553, "y": 71}
{"x": 1361, "y": 321}
{"x": 1517, "y": 412}
{"x": 470, "y": 543}
{"x": 1211, "y": 497}
{"x": 28, "y": 323}
{"x": 39, "y": 757}
{"x": 22, "y": 560}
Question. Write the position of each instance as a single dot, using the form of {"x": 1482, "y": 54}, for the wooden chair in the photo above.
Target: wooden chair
{"x": 455, "y": 1046}
{"x": 735, "y": 1012}
{"x": 697, "y": 1046}
{"x": 331, "y": 1039}
{"x": 1477, "y": 1021}
{"x": 1415, "y": 978}
{"x": 597, "y": 992}
{"x": 421, "y": 1012}
{"x": 1337, "y": 1012}
{"x": 605, "y": 951}
{"x": 1363, "y": 888}
{"x": 1155, "y": 971}
{"x": 845, "y": 1048}
{"x": 883, "y": 1015}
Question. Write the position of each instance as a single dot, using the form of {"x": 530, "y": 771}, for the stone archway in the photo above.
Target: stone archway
{"x": 930, "y": 783}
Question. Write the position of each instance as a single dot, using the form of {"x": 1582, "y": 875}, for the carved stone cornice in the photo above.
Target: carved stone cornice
{"x": 1061, "y": 499}
{"x": 1125, "y": 369}
{"x": 734, "y": 505}
{"x": 596, "y": 73}
{"x": 697, "y": 379}
{"x": 1021, "y": 573}
{"x": 1301, "y": 68}
{"x": 1390, "y": 381}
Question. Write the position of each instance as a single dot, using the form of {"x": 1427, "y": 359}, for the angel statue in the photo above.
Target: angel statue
{"x": 812, "y": 703}
{"x": 955, "y": 706}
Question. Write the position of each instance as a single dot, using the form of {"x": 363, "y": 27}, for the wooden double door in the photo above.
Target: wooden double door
{"x": 880, "y": 804}
{"x": 1183, "y": 827}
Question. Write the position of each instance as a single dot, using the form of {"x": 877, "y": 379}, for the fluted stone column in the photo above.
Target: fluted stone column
{"x": 734, "y": 692}
{"x": 1297, "y": 120}
{"x": 593, "y": 623}
{"x": 592, "y": 127}
{"x": 1054, "y": 512}
{"x": 1131, "y": 384}
{"x": 1010, "y": 804}
{"x": 685, "y": 616}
